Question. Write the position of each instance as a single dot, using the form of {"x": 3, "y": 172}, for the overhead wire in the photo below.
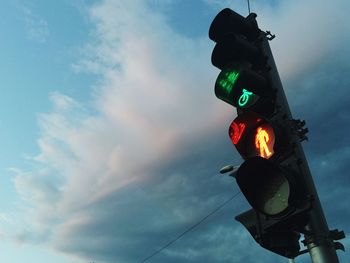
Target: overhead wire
{"x": 191, "y": 228}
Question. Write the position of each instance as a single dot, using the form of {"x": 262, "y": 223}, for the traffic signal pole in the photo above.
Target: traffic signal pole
{"x": 318, "y": 239}
{"x": 275, "y": 177}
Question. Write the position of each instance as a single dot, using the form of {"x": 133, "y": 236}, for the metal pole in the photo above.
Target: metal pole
{"x": 319, "y": 244}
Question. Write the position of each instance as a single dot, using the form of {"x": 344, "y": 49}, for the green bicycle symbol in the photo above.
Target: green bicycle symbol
{"x": 244, "y": 98}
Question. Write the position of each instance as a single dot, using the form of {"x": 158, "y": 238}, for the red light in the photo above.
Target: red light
{"x": 252, "y": 135}
{"x": 236, "y": 131}
{"x": 264, "y": 141}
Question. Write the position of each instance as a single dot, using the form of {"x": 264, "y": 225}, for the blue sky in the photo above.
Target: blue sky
{"x": 112, "y": 136}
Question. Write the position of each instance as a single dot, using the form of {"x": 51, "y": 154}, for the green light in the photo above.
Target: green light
{"x": 244, "y": 98}
{"x": 247, "y": 99}
{"x": 228, "y": 80}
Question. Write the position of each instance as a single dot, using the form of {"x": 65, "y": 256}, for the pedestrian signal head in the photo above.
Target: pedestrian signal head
{"x": 253, "y": 136}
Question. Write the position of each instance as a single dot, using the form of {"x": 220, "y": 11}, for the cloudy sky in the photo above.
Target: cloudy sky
{"x": 112, "y": 136}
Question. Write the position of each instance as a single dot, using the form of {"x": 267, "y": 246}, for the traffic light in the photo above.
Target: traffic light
{"x": 265, "y": 135}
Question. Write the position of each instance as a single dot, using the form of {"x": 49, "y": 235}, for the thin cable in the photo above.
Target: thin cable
{"x": 248, "y": 7}
{"x": 190, "y": 228}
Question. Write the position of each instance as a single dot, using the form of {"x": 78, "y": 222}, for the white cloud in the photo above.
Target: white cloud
{"x": 307, "y": 32}
{"x": 37, "y": 28}
{"x": 152, "y": 95}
